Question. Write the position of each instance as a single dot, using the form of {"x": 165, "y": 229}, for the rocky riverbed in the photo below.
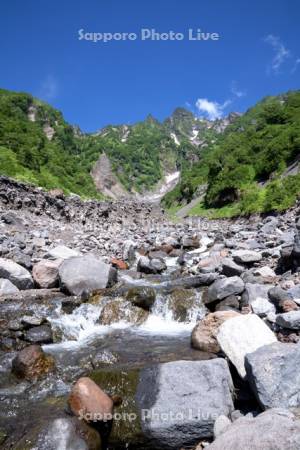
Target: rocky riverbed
{"x": 185, "y": 333}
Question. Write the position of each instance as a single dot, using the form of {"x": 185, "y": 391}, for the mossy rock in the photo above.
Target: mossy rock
{"x": 120, "y": 310}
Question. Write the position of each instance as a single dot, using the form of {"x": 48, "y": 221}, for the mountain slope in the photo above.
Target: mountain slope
{"x": 247, "y": 165}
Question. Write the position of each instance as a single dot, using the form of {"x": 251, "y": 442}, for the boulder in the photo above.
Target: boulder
{"x": 16, "y": 274}
{"x": 88, "y": 402}
{"x": 275, "y": 429}
{"x": 45, "y": 273}
{"x": 32, "y": 363}
{"x": 205, "y": 332}
{"x": 6, "y": 287}
{"x": 185, "y": 302}
{"x": 120, "y": 310}
{"x": 241, "y": 335}
{"x": 290, "y": 320}
{"x": 273, "y": 372}
{"x": 141, "y": 296}
{"x": 230, "y": 303}
{"x": 224, "y": 287}
{"x": 248, "y": 257}
{"x": 85, "y": 274}
{"x": 230, "y": 268}
{"x": 180, "y": 401}
{"x": 256, "y": 295}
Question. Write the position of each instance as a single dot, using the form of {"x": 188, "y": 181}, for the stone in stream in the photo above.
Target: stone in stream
{"x": 273, "y": 372}
{"x": 183, "y": 303}
{"x": 120, "y": 310}
{"x": 275, "y": 429}
{"x": 87, "y": 401}
{"x": 149, "y": 266}
{"x": 141, "y": 296}
{"x": 224, "y": 287}
{"x": 256, "y": 295}
{"x": 45, "y": 273}
{"x": 85, "y": 274}
{"x": 16, "y": 274}
{"x": 241, "y": 335}
{"x": 248, "y": 257}
{"x": 39, "y": 335}
{"x": 205, "y": 332}
{"x": 6, "y": 287}
{"x": 32, "y": 363}
{"x": 182, "y": 400}
{"x": 290, "y": 320}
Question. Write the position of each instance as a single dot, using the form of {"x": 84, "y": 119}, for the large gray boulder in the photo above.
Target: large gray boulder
{"x": 276, "y": 429}
{"x": 182, "y": 400}
{"x": 224, "y": 287}
{"x": 290, "y": 320}
{"x": 273, "y": 372}
{"x": 242, "y": 335}
{"x": 16, "y": 274}
{"x": 256, "y": 295}
{"x": 85, "y": 274}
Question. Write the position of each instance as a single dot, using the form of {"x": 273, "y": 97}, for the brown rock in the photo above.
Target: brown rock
{"x": 57, "y": 193}
{"x": 288, "y": 305}
{"x": 45, "y": 273}
{"x": 204, "y": 333}
{"x": 88, "y": 401}
{"x": 119, "y": 264}
{"x": 32, "y": 363}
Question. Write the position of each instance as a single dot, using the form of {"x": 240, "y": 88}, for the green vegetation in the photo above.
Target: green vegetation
{"x": 27, "y": 154}
{"x": 244, "y": 167}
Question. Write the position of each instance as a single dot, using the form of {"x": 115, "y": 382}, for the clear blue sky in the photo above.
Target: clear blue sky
{"x": 95, "y": 84}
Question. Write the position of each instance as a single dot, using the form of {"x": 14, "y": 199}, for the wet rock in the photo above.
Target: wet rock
{"x": 45, "y": 273}
{"x": 179, "y": 391}
{"x": 141, "y": 296}
{"x": 205, "y": 332}
{"x": 290, "y": 320}
{"x": 241, "y": 335}
{"x": 103, "y": 358}
{"x": 32, "y": 363}
{"x": 204, "y": 279}
{"x": 119, "y": 310}
{"x": 230, "y": 268}
{"x": 149, "y": 266}
{"x": 279, "y": 385}
{"x": 15, "y": 273}
{"x": 182, "y": 303}
{"x": 85, "y": 274}
{"x": 89, "y": 402}
{"x": 224, "y": 287}
{"x": 276, "y": 428}
{"x": 256, "y": 295}
{"x": 39, "y": 335}
{"x": 6, "y": 287}
{"x": 246, "y": 256}
{"x": 66, "y": 433}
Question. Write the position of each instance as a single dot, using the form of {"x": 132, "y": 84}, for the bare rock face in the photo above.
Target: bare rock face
{"x": 205, "y": 332}
{"x": 32, "y": 363}
{"x": 105, "y": 180}
{"x": 45, "y": 273}
{"x": 89, "y": 402}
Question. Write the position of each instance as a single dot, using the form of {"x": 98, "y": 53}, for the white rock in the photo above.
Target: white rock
{"x": 241, "y": 335}
{"x": 6, "y": 287}
{"x": 62, "y": 252}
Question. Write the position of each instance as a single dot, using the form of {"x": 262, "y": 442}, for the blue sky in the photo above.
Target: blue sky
{"x": 95, "y": 84}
